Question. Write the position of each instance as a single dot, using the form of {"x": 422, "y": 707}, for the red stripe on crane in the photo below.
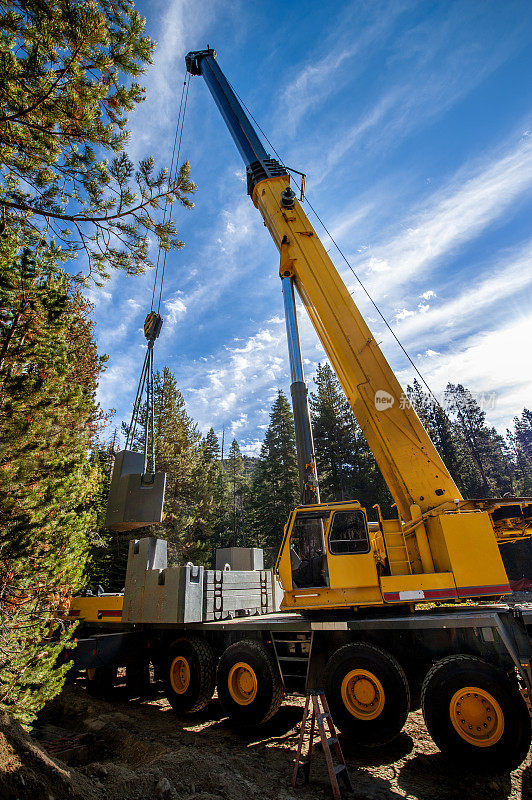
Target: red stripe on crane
{"x": 499, "y": 588}
{"x": 434, "y": 594}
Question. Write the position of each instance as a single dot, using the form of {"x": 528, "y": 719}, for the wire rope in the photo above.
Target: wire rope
{"x": 152, "y": 326}
{"x": 187, "y": 82}
{"x": 171, "y": 177}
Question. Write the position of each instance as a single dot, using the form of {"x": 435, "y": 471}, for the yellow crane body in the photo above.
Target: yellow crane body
{"x": 440, "y": 547}
{"x": 96, "y": 609}
{"x": 467, "y": 563}
{"x": 409, "y": 462}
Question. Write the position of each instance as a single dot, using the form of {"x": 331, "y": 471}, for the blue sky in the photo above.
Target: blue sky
{"x": 413, "y": 122}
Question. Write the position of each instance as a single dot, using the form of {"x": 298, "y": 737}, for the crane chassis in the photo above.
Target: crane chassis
{"x": 398, "y": 661}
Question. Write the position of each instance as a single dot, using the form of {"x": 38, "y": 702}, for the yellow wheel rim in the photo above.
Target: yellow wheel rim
{"x": 362, "y": 694}
{"x": 242, "y": 683}
{"x": 180, "y": 675}
{"x": 476, "y": 716}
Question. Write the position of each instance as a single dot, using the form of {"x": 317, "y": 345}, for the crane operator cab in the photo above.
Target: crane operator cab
{"x": 326, "y": 553}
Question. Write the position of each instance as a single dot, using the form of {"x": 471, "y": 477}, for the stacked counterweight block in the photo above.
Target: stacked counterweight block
{"x": 157, "y": 594}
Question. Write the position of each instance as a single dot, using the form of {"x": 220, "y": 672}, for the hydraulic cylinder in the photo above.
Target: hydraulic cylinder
{"x": 308, "y": 477}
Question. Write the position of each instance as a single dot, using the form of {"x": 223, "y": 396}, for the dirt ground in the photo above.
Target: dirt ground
{"x": 140, "y": 749}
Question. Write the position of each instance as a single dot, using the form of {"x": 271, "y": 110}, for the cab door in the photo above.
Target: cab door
{"x": 350, "y": 559}
{"x": 302, "y": 560}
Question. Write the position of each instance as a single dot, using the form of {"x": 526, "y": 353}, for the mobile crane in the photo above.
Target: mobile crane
{"x": 353, "y": 619}
{"x": 440, "y": 547}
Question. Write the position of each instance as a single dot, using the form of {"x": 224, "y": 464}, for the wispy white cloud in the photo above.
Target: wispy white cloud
{"x": 404, "y": 313}
{"x": 326, "y": 73}
{"x": 182, "y": 22}
{"x": 453, "y": 216}
{"x": 252, "y": 448}
{"x": 490, "y": 361}
{"x": 221, "y": 392}
{"x": 437, "y": 64}
{"x": 371, "y": 123}
{"x": 175, "y": 308}
{"x": 117, "y": 383}
{"x": 226, "y": 250}
{"x": 469, "y": 309}
{"x": 238, "y": 425}
{"x": 348, "y": 219}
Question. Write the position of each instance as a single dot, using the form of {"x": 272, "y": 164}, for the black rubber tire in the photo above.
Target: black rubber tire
{"x": 385, "y": 667}
{"x": 100, "y": 681}
{"x": 270, "y": 691}
{"x": 202, "y": 664}
{"x": 447, "y": 677}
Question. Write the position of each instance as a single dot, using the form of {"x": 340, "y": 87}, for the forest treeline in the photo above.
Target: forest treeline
{"x": 221, "y": 499}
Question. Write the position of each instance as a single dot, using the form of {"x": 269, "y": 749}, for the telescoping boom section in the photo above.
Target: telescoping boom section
{"x": 440, "y": 546}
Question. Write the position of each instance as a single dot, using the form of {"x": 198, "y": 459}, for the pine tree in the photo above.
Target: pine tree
{"x": 211, "y": 447}
{"x": 48, "y": 485}
{"x": 108, "y": 553}
{"x": 523, "y": 432}
{"x": 68, "y": 83}
{"x": 65, "y": 93}
{"x": 346, "y": 465}
{"x": 234, "y": 470}
{"x": 486, "y": 458}
{"x": 441, "y": 431}
{"x": 520, "y": 444}
{"x": 275, "y": 483}
{"x": 179, "y": 453}
{"x": 333, "y": 427}
{"x": 217, "y": 522}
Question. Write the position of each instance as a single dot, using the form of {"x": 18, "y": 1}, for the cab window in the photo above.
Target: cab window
{"x": 349, "y": 533}
{"x": 307, "y": 550}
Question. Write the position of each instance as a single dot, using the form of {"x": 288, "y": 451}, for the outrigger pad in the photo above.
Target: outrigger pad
{"x": 135, "y": 500}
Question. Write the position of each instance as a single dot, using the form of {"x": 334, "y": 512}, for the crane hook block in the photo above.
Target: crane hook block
{"x": 135, "y": 499}
{"x": 152, "y": 326}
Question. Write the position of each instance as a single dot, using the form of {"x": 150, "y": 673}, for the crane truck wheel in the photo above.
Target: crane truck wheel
{"x": 475, "y": 713}
{"x": 189, "y": 675}
{"x": 367, "y": 691}
{"x": 249, "y": 683}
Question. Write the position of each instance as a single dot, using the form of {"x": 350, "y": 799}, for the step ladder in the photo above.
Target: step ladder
{"x": 292, "y": 653}
{"x": 397, "y": 551}
{"x": 336, "y": 767}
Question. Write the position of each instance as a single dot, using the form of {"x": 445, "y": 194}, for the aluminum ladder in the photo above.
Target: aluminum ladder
{"x": 336, "y": 766}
